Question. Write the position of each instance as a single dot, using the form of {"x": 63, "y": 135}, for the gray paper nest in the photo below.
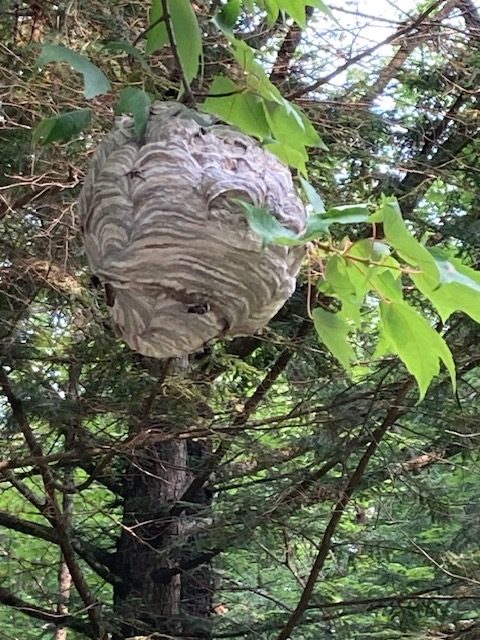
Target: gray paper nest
{"x": 180, "y": 264}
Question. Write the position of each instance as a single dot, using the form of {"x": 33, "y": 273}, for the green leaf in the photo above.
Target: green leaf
{"x": 228, "y": 14}
{"x": 337, "y": 282}
{"x": 62, "y": 127}
{"x": 125, "y": 47}
{"x": 137, "y": 102}
{"x": 320, "y": 4}
{"x": 272, "y": 10}
{"x": 386, "y": 285}
{"x": 295, "y": 9}
{"x": 188, "y": 37}
{"x": 373, "y": 269}
{"x": 186, "y": 33}
{"x": 352, "y": 212}
{"x": 459, "y": 288}
{"x": 375, "y": 252}
{"x": 242, "y": 108}
{"x": 333, "y": 331}
{"x": 313, "y": 197}
{"x": 95, "y": 81}
{"x": 256, "y": 77}
{"x": 407, "y": 247}
{"x": 454, "y": 271}
{"x": 350, "y": 280}
{"x": 290, "y": 126}
{"x": 265, "y": 225}
{"x": 157, "y": 37}
{"x": 293, "y": 157}
{"x": 290, "y": 129}
{"x": 451, "y": 298}
{"x": 416, "y": 343}
{"x": 317, "y": 227}
{"x": 319, "y": 224}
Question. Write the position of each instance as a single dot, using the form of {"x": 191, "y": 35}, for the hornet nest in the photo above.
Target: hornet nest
{"x": 180, "y": 264}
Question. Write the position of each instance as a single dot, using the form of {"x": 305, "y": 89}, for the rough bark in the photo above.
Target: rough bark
{"x": 166, "y": 580}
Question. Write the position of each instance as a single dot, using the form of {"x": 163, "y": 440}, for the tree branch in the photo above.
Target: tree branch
{"x": 51, "y": 509}
{"x": 8, "y": 599}
{"x": 408, "y": 44}
{"x": 95, "y": 557}
{"x": 339, "y": 510}
{"x": 250, "y": 406}
{"x": 367, "y": 52}
{"x": 286, "y": 52}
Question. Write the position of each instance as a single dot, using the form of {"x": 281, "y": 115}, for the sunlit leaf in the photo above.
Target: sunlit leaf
{"x": 256, "y": 77}
{"x": 319, "y": 224}
{"x": 376, "y": 255}
{"x": 356, "y": 212}
{"x": 291, "y": 156}
{"x": 416, "y": 343}
{"x": 338, "y": 282}
{"x": 295, "y": 9}
{"x": 453, "y": 271}
{"x": 272, "y": 10}
{"x": 317, "y": 227}
{"x": 228, "y": 14}
{"x": 334, "y": 331}
{"x": 386, "y": 285}
{"x": 290, "y": 126}
{"x": 236, "y": 106}
{"x": 188, "y": 37}
{"x": 351, "y": 277}
{"x": 186, "y": 34}
{"x": 459, "y": 288}
{"x": 320, "y": 4}
{"x": 290, "y": 130}
{"x": 313, "y": 197}
{"x": 407, "y": 247}
{"x": 95, "y": 81}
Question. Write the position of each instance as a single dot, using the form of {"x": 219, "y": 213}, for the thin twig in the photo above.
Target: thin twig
{"x": 51, "y": 510}
{"x": 367, "y": 52}
{"x": 143, "y": 33}
{"x": 241, "y": 419}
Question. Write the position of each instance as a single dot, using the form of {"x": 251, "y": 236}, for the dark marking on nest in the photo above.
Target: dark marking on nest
{"x": 225, "y": 326}
{"x": 199, "y": 309}
{"x": 136, "y": 173}
{"x": 109, "y": 295}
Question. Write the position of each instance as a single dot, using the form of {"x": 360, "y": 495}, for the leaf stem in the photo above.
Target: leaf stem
{"x": 143, "y": 33}
{"x": 173, "y": 45}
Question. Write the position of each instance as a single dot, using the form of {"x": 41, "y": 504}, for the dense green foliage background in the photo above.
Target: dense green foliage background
{"x": 315, "y": 488}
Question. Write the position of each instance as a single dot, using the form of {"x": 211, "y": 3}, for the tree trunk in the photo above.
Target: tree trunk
{"x": 163, "y": 588}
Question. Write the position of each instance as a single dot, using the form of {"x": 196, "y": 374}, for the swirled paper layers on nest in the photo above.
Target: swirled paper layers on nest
{"x": 162, "y": 231}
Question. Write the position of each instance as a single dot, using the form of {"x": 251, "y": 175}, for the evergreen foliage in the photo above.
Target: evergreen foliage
{"x": 318, "y": 479}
